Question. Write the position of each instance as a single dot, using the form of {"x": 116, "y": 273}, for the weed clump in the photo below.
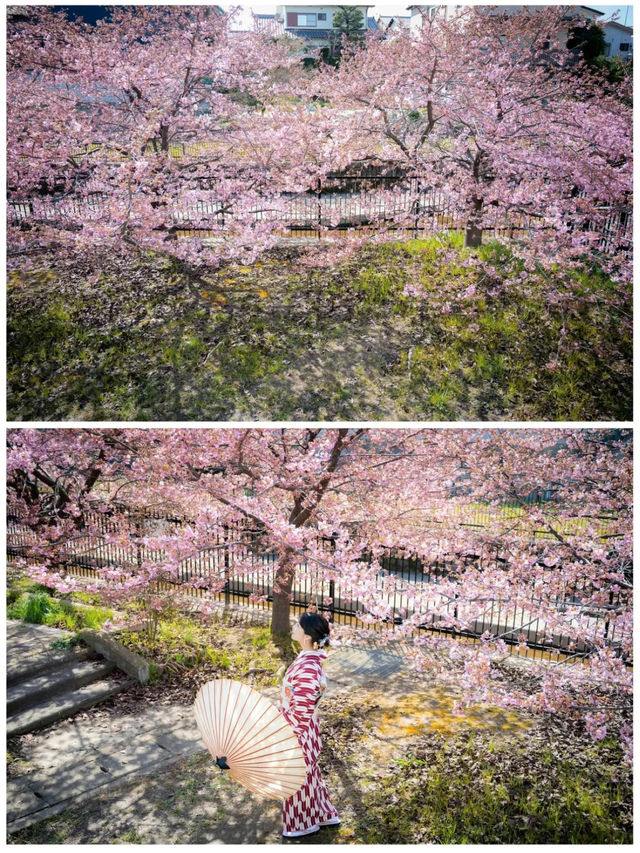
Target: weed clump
{"x": 38, "y": 607}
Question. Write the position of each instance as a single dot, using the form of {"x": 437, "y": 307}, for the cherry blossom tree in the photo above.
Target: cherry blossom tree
{"x": 161, "y": 118}
{"x": 157, "y": 118}
{"x": 494, "y": 111}
{"x": 563, "y": 563}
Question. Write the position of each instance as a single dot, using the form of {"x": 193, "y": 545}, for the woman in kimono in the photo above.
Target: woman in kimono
{"x": 304, "y": 682}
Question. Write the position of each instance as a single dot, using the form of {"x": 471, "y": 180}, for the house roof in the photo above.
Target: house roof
{"x": 324, "y": 34}
{"x": 311, "y": 34}
{"x": 618, "y": 26}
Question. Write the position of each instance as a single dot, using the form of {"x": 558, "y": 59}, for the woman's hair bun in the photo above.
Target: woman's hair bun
{"x": 316, "y": 627}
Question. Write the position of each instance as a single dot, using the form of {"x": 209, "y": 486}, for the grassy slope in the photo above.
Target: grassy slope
{"x": 479, "y": 789}
{"x": 138, "y": 342}
{"x": 189, "y": 653}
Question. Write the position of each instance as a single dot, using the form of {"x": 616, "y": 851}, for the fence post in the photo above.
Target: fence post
{"x": 455, "y": 616}
{"x": 416, "y": 209}
{"x": 138, "y": 526}
{"x": 319, "y": 205}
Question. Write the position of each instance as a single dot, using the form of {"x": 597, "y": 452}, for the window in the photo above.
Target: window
{"x": 322, "y": 16}
{"x": 624, "y": 45}
{"x": 298, "y": 19}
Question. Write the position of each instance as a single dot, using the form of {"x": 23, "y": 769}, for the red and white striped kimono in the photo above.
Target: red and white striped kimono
{"x": 310, "y": 807}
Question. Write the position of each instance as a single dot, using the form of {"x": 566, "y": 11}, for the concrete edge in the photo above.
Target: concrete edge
{"x": 128, "y": 661}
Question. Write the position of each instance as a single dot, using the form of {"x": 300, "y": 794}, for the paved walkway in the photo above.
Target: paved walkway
{"x": 78, "y": 758}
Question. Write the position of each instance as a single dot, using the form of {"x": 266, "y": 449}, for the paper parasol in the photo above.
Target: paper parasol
{"x": 250, "y": 739}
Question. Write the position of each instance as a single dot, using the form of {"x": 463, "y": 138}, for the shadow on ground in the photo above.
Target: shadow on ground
{"x": 137, "y": 339}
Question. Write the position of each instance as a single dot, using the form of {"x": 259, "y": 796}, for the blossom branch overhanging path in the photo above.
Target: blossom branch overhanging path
{"x": 562, "y": 559}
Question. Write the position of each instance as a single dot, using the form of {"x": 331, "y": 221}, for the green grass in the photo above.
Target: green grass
{"x": 132, "y": 836}
{"x": 35, "y": 607}
{"x": 66, "y": 643}
{"x": 40, "y": 608}
{"x": 144, "y": 343}
{"x": 18, "y": 586}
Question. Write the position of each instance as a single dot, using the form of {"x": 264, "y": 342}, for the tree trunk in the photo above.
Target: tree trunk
{"x": 303, "y": 508}
{"x": 164, "y": 137}
{"x": 283, "y": 584}
{"x": 473, "y": 231}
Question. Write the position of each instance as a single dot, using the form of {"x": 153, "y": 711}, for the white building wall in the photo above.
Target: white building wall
{"x": 614, "y": 37}
{"x": 281, "y": 12}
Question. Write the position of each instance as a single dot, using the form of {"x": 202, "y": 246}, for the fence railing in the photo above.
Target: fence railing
{"x": 234, "y": 546}
{"x": 339, "y": 203}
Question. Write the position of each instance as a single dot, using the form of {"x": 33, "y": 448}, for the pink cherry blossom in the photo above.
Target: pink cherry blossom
{"x": 145, "y": 507}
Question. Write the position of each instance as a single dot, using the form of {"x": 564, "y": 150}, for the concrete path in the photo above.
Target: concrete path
{"x": 350, "y": 667}
{"x": 25, "y": 642}
{"x": 72, "y": 761}
{"x": 48, "y": 680}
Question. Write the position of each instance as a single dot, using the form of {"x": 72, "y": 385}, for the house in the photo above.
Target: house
{"x": 618, "y": 40}
{"x": 421, "y": 13}
{"x": 268, "y": 24}
{"x": 393, "y": 23}
{"x": 315, "y": 23}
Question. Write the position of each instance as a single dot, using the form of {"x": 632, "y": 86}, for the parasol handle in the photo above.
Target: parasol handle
{"x": 222, "y": 762}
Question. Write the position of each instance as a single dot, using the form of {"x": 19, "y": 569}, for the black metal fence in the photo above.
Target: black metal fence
{"x": 240, "y": 545}
{"x": 341, "y": 202}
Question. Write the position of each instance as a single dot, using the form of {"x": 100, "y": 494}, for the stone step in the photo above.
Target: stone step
{"x": 21, "y": 666}
{"x": 60, "y": 679}
{"x": 63, "y": 705}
